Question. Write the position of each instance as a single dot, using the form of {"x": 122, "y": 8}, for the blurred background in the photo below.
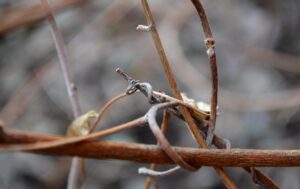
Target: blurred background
{"x": 257, "y": 46}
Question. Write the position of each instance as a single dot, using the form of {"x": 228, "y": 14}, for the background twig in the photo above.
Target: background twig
{"x": 27, "y": 14}
{"x": 69, "y": 81}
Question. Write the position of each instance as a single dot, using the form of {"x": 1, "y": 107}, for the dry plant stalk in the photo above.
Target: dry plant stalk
{"x": 187, "y": 158}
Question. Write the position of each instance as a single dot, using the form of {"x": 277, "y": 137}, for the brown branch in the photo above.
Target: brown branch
{"x": 197, "y": 157}
{"x": 104, "y": 108}
{"x": 63, "y": 59}
{"x": 153, "y": 154}
{"x": 261, "y": 180}
{"x": 23, "y": 15}
{"x": 210, "y": 45}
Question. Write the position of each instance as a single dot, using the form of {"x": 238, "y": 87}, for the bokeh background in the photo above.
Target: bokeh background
{"x": 257, "y": 46}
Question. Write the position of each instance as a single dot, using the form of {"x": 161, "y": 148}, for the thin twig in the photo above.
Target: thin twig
{"x": 149, "y": 178}
{"x": 105, "y": 108}
{"x": 30, "y": 13}
{"x": 73, "y": 140}
{"x": 163, "y": 142}
{"x": 210, "y": 45}
{"x": 164, "y": 128}
{"x": 261, "y": 180}
{"x": 69, "y": 81}
{"x": 63, "y": 59}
